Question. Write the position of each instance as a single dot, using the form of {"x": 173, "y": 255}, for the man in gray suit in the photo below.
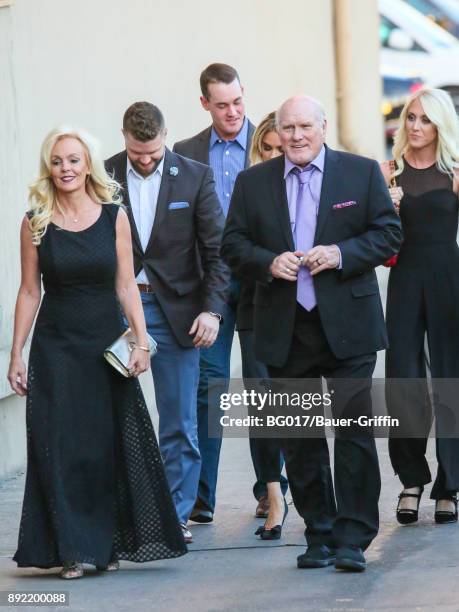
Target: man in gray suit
{"x": 225, "y": 146}
{"x": 176, "y": 224}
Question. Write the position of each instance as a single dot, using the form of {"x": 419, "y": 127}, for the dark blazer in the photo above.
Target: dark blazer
{"x": 182, "y": 260}
{"x": 368, "y": 232}
{"x": 197, "y": 148}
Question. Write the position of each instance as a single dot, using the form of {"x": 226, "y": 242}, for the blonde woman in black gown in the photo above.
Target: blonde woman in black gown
{"x": 95, "y": 488}
{"x": 422, "y": 300}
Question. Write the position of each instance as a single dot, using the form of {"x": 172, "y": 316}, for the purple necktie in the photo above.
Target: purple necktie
{"x": 304, "y": 231}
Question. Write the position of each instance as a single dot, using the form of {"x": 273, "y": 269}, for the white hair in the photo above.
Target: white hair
{"x": 317, "y": 106}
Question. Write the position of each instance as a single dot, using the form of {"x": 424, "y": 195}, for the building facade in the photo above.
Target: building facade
{"x": 83, "y": 64}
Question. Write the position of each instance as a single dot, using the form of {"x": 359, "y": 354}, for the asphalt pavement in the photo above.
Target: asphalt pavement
{"x": 228, "y": 568}
{"x": 410, "y": 568}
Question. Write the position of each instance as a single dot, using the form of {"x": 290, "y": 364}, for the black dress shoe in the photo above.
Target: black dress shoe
{"x": 406, "y": 516}
{"x": 316, "y": 556}
{"x": 201, "y": 513}
{"x": 275, "y": 532}
{"x": 443, "y": 517}
{"x": 350, "y": 558}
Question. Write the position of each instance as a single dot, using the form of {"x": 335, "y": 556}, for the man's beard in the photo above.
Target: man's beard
{"x": 141, "y": 169}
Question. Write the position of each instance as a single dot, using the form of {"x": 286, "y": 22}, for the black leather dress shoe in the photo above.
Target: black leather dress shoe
{"x": 316, "y": 556}
{"x": 200, "y": 513}
{"x": 350, "y": 558}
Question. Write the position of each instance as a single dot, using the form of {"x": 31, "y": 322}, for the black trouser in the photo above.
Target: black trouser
{"x": 266, "y": 454}
{"x": 355, "y": 518}
{"x": 407, "y": 393}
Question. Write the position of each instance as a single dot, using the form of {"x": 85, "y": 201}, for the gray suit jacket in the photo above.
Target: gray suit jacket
{"x": 197, "y": 148}
{"x": 182, "y": 260}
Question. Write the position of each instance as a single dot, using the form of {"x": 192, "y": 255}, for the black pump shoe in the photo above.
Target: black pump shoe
{"x": 275, "y": 532}
{"x": 406, "y": 516}
{"x": 446, "y": 516}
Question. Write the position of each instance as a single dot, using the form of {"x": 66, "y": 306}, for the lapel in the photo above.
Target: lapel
{"x": 250, "y": 131}
{"x": 202, "y": 146}
{"x": 163, "y": 196}
{"x": 120, "y": 175}
{"x": 201, "y": 153}
{"x": 329, "y": 192}
{"x": 280, "y": 200}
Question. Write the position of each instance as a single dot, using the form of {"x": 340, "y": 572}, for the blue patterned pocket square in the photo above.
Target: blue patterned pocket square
{"x": 177, "y": 205}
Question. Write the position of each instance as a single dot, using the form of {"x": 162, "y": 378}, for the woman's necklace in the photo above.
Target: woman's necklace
{"x": 72, "y": 218}
{"x": 75, "y": 217}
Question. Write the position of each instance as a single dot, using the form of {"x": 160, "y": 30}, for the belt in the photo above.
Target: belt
{"x": 145, "y": 288}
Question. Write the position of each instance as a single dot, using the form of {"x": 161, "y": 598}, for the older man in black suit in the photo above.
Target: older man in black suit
{"x": 309, "y": 228}
{"x": 176, "y": 224}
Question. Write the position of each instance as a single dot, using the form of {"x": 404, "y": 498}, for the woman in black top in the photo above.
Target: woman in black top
{"x": 422, "y": 300}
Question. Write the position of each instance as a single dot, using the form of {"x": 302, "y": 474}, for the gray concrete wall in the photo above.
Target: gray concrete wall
{"x": 12, "y": 430}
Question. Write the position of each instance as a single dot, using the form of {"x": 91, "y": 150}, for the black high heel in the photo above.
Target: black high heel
{"x": 446, "y": 516}
{"x": 275, "y": 532}
{"x": 406, "y": 516}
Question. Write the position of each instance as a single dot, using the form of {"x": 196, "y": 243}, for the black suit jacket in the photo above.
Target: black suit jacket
{"x": 368, "y": 232}
{"x": 197, "y": 148}
{"x": 182, "y": 260}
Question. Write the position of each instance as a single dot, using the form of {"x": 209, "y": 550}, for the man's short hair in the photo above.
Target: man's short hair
{"x": 144, "y": 121}
{"x": 217, "y": 73}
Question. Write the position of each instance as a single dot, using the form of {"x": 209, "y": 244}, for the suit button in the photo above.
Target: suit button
{"x": 343, "y": 340}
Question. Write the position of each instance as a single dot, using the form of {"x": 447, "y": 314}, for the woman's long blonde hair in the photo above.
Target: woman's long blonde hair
{"x": 42, "y": 193}
{"x": 267, "y": 124}
{"x": 439, "y": 108}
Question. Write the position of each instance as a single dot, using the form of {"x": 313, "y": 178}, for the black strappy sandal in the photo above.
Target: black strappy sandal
{"x": 406, "y": 516}
{"x": 446, "y": 516}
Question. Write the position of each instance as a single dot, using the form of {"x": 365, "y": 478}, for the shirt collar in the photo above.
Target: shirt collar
{"x": 159, "y": 170}
{"x": 241, "y": 137}
{"x": 318, "y": 162}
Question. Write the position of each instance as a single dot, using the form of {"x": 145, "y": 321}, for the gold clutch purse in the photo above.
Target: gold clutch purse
{"x": 118, "y": 354}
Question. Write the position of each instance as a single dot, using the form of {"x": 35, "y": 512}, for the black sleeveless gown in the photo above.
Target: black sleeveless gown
{"x": 95, "y": 488}
{"x": 423, "y": 299}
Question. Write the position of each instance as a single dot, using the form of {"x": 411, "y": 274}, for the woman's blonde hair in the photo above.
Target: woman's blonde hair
{"x": 267, "y": 124}
{"x": 42, "y": 193}
{"x": 439, "y": 108}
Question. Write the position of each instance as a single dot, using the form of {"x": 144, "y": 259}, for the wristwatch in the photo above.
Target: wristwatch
{"x": 215, "y": 314}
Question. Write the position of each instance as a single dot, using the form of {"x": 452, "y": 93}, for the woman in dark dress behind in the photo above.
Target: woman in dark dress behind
{"x": 423, "y": 298}
{"x": 95, "y": 491}
{"x": 266, "y": 453}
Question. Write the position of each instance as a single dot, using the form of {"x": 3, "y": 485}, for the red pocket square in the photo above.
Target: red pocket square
{"x": 345, "y": 204}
